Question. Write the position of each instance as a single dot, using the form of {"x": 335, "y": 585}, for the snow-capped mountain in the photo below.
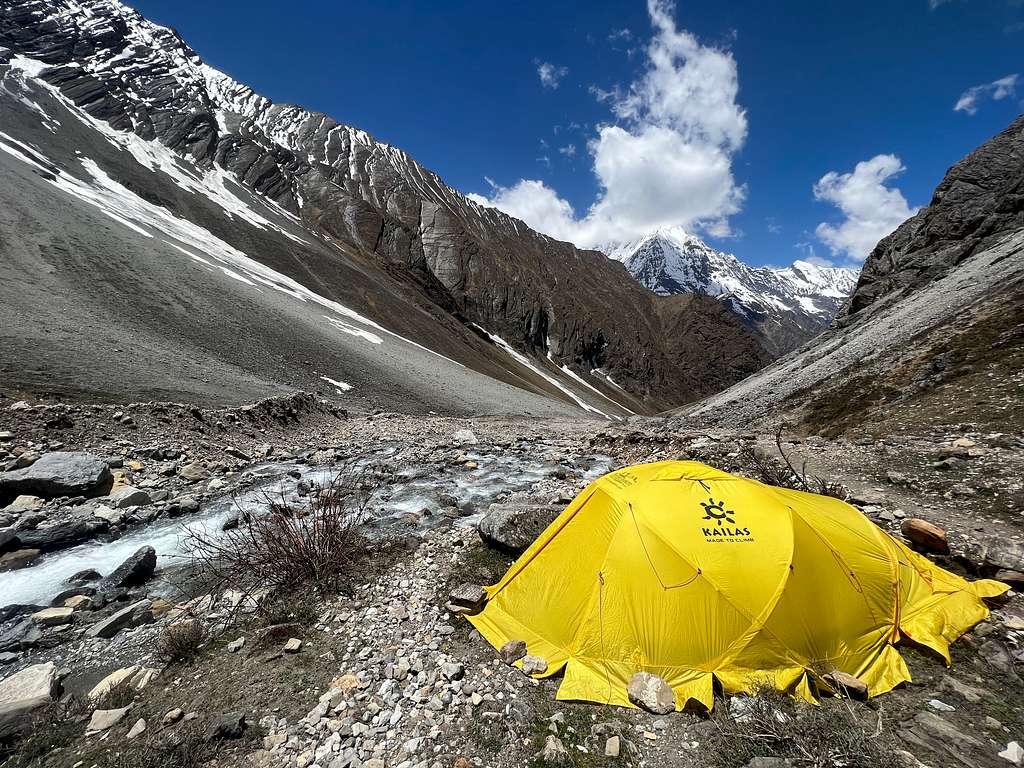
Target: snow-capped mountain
{"x": 164, "y": 201}
{"x": 787, "y": 306}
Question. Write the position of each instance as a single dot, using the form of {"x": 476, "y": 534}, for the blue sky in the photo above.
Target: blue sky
{"x": 774, "y": 130}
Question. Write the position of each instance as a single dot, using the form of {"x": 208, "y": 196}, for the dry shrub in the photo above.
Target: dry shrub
{"x": 779, "y": 470}
{"x": 290, "y": 547}
{"x": 836, "y": 734}
{"x": 180, "y": 641}
{"x": 52, "y": 729}
{"x": 183, "y": 747}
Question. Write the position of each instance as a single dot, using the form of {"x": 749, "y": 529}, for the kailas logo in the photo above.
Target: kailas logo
{"x": 715, "y": 510}
{"x": 723, "y": 523}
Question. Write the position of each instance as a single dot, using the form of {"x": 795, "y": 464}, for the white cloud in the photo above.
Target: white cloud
{"x": 569, "y": 150}
{"x": 535, "y": 203}
{"x": 997, "y": 90}
{"x": 668, "y": 159}
{"x": 872, "y": 209}
{"x": 550, "y": 75}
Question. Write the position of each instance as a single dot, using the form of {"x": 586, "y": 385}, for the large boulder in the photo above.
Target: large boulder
{"x": 64, "y": 535}
{"x": 512, "y": 528}
{"x": 61, "y": 473}
{"x": 134, "y": 571}
{"x": 24, "y": 692}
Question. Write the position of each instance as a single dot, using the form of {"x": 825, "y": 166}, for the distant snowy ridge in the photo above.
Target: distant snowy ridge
{"x": 788, "y": 306}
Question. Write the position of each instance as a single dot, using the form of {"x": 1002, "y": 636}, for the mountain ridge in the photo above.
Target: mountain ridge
{"x": 787, "y": 306}
{"x": 933, "y": 336}
{"x": 361, "y": 201}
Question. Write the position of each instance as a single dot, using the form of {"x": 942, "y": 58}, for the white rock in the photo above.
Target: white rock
{"x": 103, "y": 719}
{"x": 137, "y": 730}
{"x": 652, "y": 693}
{"x": 1014, "y": 753}
{"x": 25, "y": 691}
{"x": 465, "y": 437}
{"x": 940, "y": 706}
{"x": 612, "y": 746}
{"x": 110, "y": 682}
{"x": 535, "y": 665}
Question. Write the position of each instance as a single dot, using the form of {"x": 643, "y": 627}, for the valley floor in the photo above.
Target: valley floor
{"x": 387, "y": 676}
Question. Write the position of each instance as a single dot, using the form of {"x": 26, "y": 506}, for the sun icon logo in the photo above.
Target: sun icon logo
{"x": 715, "y": 510}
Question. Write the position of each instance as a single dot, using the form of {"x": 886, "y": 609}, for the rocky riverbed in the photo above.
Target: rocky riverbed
{"x": 385, "y": 673}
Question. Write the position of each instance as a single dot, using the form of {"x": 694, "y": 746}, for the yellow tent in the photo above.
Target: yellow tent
{"x": 697, "y": 576}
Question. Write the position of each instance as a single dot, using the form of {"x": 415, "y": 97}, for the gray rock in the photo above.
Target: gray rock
{"x": 111, "y": 515}
{"x": 132, "y": 616}
{"x": 23, "y": 635}
{"x": 9, "y": 540}
{"x": 84, "y": 576}
{"x": 24, "y": 692}
{"x": 933, "y": 732}
{"x": 12, "y": 610}
{"x": 652, "y": 693}
{"x": 193, "y": 471}
{"x": 452, "y": 670}
{"x": 62, "y": 473}
{"x": 554, "y": 751}
{"x": 128, "y": 496}
{"x": 134, "y": 571}
{"x": 511, "y": 528}
{"x": 60, "y": 597}
{"x": 468, "y": 596}
{"x": 996, "y": 656}
{"x": 1006, "y": 554}
{"x": 227, "y": 726}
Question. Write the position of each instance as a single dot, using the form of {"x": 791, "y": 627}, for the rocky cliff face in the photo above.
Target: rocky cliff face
{"x": 934, "y": 334}
{"x": 365, "y": 198}
{"x": 785, "y": 306}
{"x": 978, "y": 203}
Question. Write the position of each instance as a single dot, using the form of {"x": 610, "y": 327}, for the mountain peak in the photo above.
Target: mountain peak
{"x": 787, "y": 305}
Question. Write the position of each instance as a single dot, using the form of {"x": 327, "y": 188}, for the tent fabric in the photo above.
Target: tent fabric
{"x": 711, "y": 580}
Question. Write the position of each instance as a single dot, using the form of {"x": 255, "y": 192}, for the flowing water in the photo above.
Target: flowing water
{"x": 406, "y": 501}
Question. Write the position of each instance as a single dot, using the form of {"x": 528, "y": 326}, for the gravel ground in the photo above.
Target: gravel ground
{"x": 387, "y": 676}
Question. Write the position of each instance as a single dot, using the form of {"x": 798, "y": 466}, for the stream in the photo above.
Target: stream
{"x": 416, "y": 488}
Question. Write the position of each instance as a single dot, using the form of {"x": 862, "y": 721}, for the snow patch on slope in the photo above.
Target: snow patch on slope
{"x": 125, "y": 207}
{"x": 524, "y": 361}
